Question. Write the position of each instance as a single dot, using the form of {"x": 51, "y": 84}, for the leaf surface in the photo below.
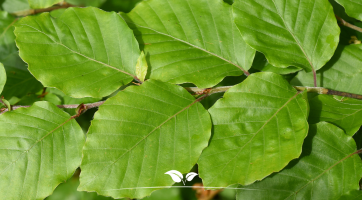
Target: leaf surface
{"x": 13, "y": 6}
{"x": 94, "y": 3}
{"x": 19, "y": 80}
{"x": 353, "y": 8}
{"x": 139, "y": 135}
{"x": 296, "y": 33}
{"x": 41, "y": 147}
{"x": 141, "y": 67}
{"x": 344, "y": 112}
{"x": 37, "y": 4}
{"x": 85, "y": 52}
{"x": 327, "y": 169}
{"x": 2, "y": 77}
{"x": 259, "y": 126}
{"x": 342, "y": 73}
{"x": 190, "y": 41}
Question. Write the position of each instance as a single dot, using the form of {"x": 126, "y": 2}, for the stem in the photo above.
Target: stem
{"x": 344, "y": 23}
{"x": 37, "y": 11}
{"x": 315, "y": 78}
{"x": 209, "y": 91}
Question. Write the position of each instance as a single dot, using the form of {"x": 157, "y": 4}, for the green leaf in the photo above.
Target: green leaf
{"x": 296, "y": 33}
{"x": 261, "y": 63}
{"x": 19, "y": 80}
{"x": 342, "y": 72}
{"x": 13, "y": 6}
{"x": 141, "y": 67}
{"x": 37, "y": 4}
{"x": 120, "y": 6}
{"x": 94, "y": 3}
{"x": 327, "y": 169}
{"x": 85, "y": 52}
{"x": 41, "y": 146}
{"x": 139, "y": 135}
{"x": 353, "y": 8}
{"x": 352, "y": 195}
{"x": 190, "y": 41}
{"x": 259, "y": 126}
{"x": 345, "y": 113}
{"x": 2, "y": 77}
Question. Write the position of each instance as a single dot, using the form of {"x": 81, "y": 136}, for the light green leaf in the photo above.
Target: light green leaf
{"x": 327, "y": 169}
{"x": 19, "y": 80}
{"x": 261, "y": 63}
{"x": 141, "y": 67}
{"x": 345, "y": 113}
{"x": 296, "y": 33}
{"x": 37, "y": 4}
{"x": 85, "y": 52}
{"x": 342, "y": 73}
{"x": 139, "y": 135}
{"x": 259, "y": 126}
{"x": 2, "y": 77}
{"x": 353, "y": 8}
{"x": 41, "y": 146}
{"x": 94, "y": 3}
{"x": 190, "y": 41}
{"x": 13, "y": 6}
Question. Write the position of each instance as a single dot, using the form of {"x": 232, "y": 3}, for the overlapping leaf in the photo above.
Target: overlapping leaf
{"x": 190, "y": 41}
{"x": 344, "y": 112}
{"x": 353, "y": 8}
{"x": 139, "y": 135}
{"x": 300, "y": 33}
{"x": 342, "y": 73}
{"x": 40, "y": 147}
{"x": 259, "y": 126}
{"x": 85, "y": 52}
{"x": 94, "y": 3}
{"x": 19, "y": 81}
{"x": 327, "y": 169}
{"x": 261, "y": 63}
{"x": 13, "y": 6}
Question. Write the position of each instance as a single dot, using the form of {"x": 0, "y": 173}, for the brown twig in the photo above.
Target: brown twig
{"x": 37, "y": 11}
{"x": 202, "y": 194}
{"x": 344, "y": 23}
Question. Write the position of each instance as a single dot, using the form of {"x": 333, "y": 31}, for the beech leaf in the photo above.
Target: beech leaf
{"x": 353, "y": 8}
{"x": 259, "y": 127}
{"x": 140, "y": 134}
{"x": 41, "y": 147}
{"x": 37, "y": 4}
{"x": 2, "y": 77}
{"x": 141, "y": 67}
{"x": 296, "y": 33}
{"x": 190, "y": 41}
{"x": 85, "y": 52}
{"x": 327, "y": 169}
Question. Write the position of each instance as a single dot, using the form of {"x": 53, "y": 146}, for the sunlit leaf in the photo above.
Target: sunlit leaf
{"x": 141, "y": 67}
{"x": 36, "y": 4}
{"x": 139, "y": 135}
{"x": 296, "y": 33}
{"x": 259, "y": 127}
{"x": 41, "y": 147}
{"x": 327, "y": 169}
{"x": 85, "y": 52}
{"x": 13, "y": 6}
{"x": 190, "y": 41}
{"x": 353, "y": 8}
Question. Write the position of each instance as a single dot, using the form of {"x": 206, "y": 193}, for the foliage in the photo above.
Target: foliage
{"x": 114, "y": 93}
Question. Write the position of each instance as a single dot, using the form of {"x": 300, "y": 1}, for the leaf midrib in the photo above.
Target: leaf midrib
{"x": 192, "y": 45}
{"x": 168, "y": 119}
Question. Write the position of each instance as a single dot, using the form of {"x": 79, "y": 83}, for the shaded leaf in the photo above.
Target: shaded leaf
{"x": 37, "y": 4}
{"x": 327, "y": 169}
{"x": 261, "y": 63}
{"x": 190, "y": 41}
{"x": 94, "y": 3}
{"x": 352, "y": 195}
{"x": 141, "y": 67}
{"x": 345, "y": 113}
{"x": 41, "y": 146}
{"x": 2, "y": 77}
{"x": 175, "y": 175}
{"x": 341, "y": 73}
{"x": 296, "y": 33}
{"x": 19, "y": 81}
{"x": 353, "y": 8}
{"x": 259, "y": 126}
{"x": 13, "y": 6}
{"x": 138, "y": 135}
{"x": 120, "y": 6}
{"x": 85, "y": 52}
